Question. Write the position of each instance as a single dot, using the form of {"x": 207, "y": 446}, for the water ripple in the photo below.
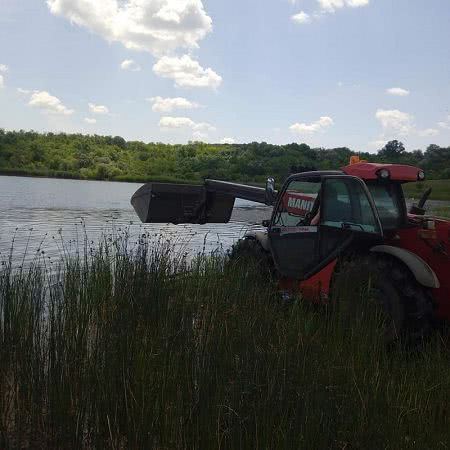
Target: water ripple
{"x": 47, "y": 217}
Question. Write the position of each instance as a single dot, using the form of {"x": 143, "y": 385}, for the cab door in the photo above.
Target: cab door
{"x": 348, "y": 217}
{"x": 318, "y": 218}
{"x": 294, "y": 241}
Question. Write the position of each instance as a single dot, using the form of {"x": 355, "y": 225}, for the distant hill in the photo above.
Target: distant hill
{"x": 113, "y": 158}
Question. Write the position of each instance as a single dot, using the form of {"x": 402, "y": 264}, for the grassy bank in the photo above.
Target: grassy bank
{"x": 441, "y": 212}
{"x": 76, "y": 176}
{"x": 441, "y": 189}
{"x": 131, "y": 349}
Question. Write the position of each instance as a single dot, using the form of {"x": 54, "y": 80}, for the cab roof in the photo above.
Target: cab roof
{"x": 370, "y": 171}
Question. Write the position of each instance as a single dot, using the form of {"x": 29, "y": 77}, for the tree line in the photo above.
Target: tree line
{"x": 114, "y": 158}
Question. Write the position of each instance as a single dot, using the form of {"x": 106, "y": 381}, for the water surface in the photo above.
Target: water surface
{"x": 44, "y": 215}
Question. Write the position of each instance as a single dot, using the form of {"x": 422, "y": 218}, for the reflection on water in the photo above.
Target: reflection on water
{"x": 43, "y": 215}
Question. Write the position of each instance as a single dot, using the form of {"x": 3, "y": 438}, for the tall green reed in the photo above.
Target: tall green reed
{"x": 130, "y": 345}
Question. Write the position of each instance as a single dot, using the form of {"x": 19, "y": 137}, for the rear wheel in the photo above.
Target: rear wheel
{"x": 386, "y": 282}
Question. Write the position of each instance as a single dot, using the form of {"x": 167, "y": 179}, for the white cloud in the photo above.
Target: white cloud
{"x": 319, "y": 125}
{"x": 23, "y": 91}
{"x": 3, "y": 69}
{"x": 399, "y": 92}
{"x": 98, "y": 109}
{"x": 131, "y": 65}
{"x": 165, "y": 105}
{"x": 168, "y": 122}
{"x": 395, "y": 122}
{"x": 90, "y": 121}
{"x": 445, "y": 124}
{"x": 227, "y": 141}
{"x": 199, "y": 136}
{"x": 357, "y": 3}
{"x": 301, "y": 18}
{"x": 428, "y": 132}
{"x": 186, "y": 72}
{"x": 331, "y": 6}
{"x": 48, "y": 103}
{"x": 155, "y": 26}
{"x": 327, "y": 7}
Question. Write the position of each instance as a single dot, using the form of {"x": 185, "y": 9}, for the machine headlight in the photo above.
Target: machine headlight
{"x": 421, "y": 175}
{"x": 384, "y": 174}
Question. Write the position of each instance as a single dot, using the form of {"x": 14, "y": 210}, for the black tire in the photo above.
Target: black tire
{"x": 406, "y": 304}
{"x": 249, "y": 253}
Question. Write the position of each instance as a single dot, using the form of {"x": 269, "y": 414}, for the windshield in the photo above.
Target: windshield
{"x": 388, "y": 201}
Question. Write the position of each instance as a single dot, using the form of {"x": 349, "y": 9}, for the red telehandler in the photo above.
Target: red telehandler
{"x": 330, "y": 226}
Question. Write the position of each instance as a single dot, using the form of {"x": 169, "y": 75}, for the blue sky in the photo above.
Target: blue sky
{"x": 325, "y": 72}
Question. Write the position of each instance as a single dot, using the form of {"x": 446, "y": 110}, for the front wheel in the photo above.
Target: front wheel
{"x": 250, "y": 254}
{"x": 386, "y": 282}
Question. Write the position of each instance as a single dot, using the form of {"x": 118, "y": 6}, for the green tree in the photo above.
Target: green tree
{"x": 392, "y": 150}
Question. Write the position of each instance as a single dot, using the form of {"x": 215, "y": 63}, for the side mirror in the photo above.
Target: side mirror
{"x": 270, "y": 192}
{"x": 419, "y": 209}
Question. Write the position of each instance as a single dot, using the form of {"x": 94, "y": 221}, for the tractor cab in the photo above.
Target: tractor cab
{"x": 384, "y": 182}
{"x": 320, "y": 215}
{"x": 317, "y": 216}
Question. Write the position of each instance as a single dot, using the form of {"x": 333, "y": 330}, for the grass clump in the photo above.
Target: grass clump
{"x": 441, "y": 189}
{"x": 134, "y": 349}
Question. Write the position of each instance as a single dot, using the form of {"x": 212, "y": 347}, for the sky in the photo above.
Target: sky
{"x": 329, "y": 73}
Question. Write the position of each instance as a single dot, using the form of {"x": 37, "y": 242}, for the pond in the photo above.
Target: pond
{"x": 56, "y": 215}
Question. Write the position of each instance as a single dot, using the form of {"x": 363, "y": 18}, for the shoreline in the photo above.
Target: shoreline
{"x": 441, "y": 188}
{"x": 69, "y": 176}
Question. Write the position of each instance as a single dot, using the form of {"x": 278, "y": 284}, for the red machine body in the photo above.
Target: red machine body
{"x": 433, "y": 246}
{"x": 322, "y": 218}
{"x": 426, "y": 236}
{"x": 370, "y": 171}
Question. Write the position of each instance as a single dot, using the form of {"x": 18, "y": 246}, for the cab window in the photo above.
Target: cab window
{"x": 298, "y": 203}
{"x": 387, "y": 198}
{"x": 347, "y": 206}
